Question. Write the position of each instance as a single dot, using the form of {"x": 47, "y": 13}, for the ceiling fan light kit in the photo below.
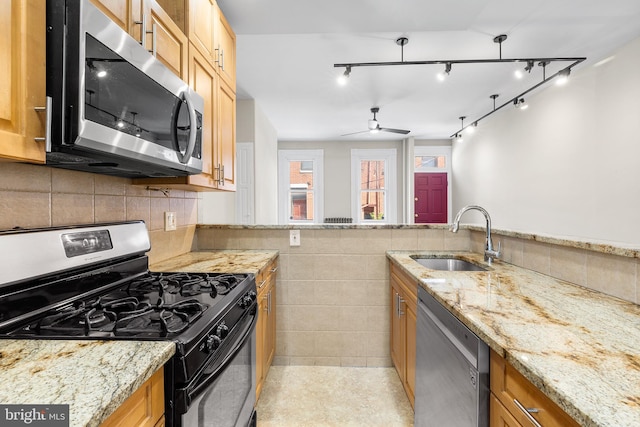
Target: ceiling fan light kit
{"x": 517, "y": 100}
{"x": 374, "y": 126}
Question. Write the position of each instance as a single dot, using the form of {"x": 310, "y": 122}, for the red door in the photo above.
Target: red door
{"x": 430, "y": 191}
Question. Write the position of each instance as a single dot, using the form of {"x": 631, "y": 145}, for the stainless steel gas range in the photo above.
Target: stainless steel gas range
{"x": 93, "y": 282}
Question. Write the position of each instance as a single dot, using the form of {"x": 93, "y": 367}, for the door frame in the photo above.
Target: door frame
{"x": 433, "y": 150}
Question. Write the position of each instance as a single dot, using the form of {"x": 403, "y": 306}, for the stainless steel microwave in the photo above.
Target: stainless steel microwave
{"x": 112, "y": 107}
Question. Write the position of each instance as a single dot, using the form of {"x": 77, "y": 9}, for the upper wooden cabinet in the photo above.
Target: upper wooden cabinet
{"x": 162, "y": 36}
{"x": 212, "y": 73}
{"x": 165, "y": 39}
{"x": 126, "y": 13}
{"x": 203, "y": 27}
{"x": 22, "y": 80}
{"x": 225, "y": 146}
{"x": 226, "y": 58}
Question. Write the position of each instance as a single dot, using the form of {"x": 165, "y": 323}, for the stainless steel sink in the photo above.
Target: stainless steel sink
{"x": 447, "y": 264}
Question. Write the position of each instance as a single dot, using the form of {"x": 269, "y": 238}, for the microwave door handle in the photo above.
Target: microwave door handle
{"x": 193, "y": 129}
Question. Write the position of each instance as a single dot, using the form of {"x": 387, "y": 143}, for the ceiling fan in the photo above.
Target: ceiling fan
{"x": 374, "y": 126}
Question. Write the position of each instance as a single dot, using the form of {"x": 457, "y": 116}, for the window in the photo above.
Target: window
{"x": 373, "y": 182}
{"x": 424, "y": 163}
{"x": 299, "y": 173}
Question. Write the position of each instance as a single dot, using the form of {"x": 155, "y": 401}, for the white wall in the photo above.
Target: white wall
{"x": 567, "y": 166}
{"x": 253, "y": 127}
{"x": 266, "y": 170}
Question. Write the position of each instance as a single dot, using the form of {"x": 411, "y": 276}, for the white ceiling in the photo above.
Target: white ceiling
{"x": 286, "y": 50}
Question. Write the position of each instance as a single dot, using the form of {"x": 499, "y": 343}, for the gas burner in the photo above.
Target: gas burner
{"x": 161, "y": 318}
{"x": 184, "y": 284}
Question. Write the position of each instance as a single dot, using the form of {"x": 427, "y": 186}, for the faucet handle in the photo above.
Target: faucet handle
{"x": 492, "y": 254}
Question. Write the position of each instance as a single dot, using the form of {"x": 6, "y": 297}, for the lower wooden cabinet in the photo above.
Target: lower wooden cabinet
{"x": 516, "y": 402}
{"x": 266, "y": 327}
{"x": 144, "y": 408}
{"x": 404, "y": 300}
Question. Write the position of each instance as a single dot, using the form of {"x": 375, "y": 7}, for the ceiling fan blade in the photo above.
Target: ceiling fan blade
{"x": 355, "y": 133}
{"x": 402, "y": 131}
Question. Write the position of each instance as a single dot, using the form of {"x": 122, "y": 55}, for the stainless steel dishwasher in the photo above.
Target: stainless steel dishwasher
{"x": 452, "y": 370}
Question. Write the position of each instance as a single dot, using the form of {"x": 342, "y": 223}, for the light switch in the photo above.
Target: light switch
{"x": 294, "y": 237}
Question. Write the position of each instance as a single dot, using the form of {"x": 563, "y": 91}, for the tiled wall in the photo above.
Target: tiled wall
{"x": 333, "y": 290}
{"x": 38, "y": 196}
{"x": 610, "y": 274}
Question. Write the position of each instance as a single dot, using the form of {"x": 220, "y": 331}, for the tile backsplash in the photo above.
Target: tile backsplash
{"x": 40, "y": 196}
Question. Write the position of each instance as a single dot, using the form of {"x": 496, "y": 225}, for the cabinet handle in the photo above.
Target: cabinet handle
{"x": 143, "y": 29}
{"x": 269, "y": 303}
{"x": 400, "y": 302}
{"x": 527, "y": 412}
{"x": 220, "y": 59}
{"x": 262, "y": 284}
{"x": 47, "y": 131}
{"x": 274, "y": 269}
{"x": 154, "y": 35}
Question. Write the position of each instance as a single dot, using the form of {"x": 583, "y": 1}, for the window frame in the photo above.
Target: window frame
{"x": 389, "y": 156}
{"x": 285, "y": 157}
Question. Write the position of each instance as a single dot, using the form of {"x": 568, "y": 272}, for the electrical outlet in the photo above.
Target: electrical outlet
{"x": 170, "y": 221}
{"x": 294, "y": 237}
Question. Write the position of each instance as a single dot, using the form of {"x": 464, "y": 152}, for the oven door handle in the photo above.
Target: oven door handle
{"x": 202, "y": 384}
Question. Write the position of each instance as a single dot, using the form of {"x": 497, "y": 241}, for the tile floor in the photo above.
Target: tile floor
{"x": 326, "y": 396}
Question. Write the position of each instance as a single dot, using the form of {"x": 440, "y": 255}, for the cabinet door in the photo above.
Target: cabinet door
{"x": 261, "y": 328}
{"x": 144, "y": 408}
{"x": 203, "y": 79}
{"x": 271, "y": 324}
{"x": 226, "y": 56}
{"x": 397, "y": 347}
{"x": 226, "y": 149}
{"x": 22, "y": 80}
{"x": 126, "y": 13}
{"x": 202, "y": 27}
{"x": 410, "y": 352}
{"x": 165, "y": 39}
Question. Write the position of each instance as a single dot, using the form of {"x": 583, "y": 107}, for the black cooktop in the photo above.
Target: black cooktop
{"x": 153, "y": 305}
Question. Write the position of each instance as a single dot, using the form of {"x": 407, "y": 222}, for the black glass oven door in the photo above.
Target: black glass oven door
{"x": 224, "y": 393}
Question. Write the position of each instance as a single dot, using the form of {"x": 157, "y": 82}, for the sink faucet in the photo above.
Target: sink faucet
{"x": 489, "y": 253}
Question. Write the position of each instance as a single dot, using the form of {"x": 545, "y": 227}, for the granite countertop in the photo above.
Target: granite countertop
{"x": 227, "y": 261}
{"x": 580, "y": 347}
{"x": 93, "y": 377}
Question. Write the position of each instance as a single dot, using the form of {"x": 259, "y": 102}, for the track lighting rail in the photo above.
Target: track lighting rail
{"x": 574, "y": 60}
{"x": 510, "y": 101}
{"x": 530, "y": 63}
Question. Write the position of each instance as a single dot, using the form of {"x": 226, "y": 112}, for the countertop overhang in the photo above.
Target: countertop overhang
{"x": 93, "y": 377}
{"x": 580, "y": 347}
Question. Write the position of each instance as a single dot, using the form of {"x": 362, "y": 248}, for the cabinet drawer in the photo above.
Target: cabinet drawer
{"x": 518, "y": 394}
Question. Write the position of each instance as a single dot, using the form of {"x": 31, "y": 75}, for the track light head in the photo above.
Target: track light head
{"x": 443, "y": 75}
{"x": 520, "y": 104}
{"x": 472, "y": 128}
{"x": 344, "y": 77}
{"x": 563, "y": 76}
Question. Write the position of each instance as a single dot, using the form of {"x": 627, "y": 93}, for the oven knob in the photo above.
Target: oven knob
{"x": 246, "y": 301}
{"x": 222, "y": 331}
{"x": 213, "y": 342}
